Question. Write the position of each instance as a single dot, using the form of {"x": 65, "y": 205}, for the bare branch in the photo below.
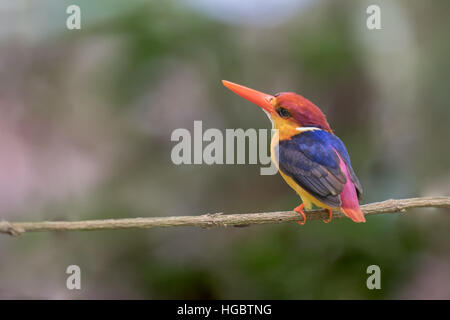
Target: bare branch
{"x": 216, "y": 220}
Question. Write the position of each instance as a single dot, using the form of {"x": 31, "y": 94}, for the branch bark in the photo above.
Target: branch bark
{"x": 217, "y": 219}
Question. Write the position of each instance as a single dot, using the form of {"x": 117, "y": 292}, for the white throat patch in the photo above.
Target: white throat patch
{"x": 303, "y": 129}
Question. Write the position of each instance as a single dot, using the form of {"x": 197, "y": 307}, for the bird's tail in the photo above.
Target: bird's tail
{"x": 349, "y": 199}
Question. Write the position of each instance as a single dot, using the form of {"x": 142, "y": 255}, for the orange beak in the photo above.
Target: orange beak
{"x": 263, "y": 100}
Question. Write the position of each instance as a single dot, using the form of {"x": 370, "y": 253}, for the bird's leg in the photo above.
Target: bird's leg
{"x": 299, "y": 210}
{"x": 330, "y": 215}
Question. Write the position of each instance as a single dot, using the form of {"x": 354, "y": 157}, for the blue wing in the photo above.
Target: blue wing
{"x": 309, "y": 158}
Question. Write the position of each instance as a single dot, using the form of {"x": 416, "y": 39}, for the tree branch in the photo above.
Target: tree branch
{"x": 217, "y": 219}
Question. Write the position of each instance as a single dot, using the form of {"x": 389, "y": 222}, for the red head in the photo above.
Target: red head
{"x": 288, "y": 111}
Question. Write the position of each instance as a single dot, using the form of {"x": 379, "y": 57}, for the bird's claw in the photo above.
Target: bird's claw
{"x": 299, "y": 210}
{"x": 330, "y": 215}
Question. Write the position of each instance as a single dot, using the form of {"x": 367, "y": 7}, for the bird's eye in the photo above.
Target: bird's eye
{"x": 283, "y": 112}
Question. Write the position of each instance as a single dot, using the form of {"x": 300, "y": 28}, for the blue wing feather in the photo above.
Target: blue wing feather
{"x": 310, "y": 159}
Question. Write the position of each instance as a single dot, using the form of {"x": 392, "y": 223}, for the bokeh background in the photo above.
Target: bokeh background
{"x": 86, "y": 118}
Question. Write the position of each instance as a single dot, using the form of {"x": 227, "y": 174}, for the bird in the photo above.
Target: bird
{"x": 309, "y": 156}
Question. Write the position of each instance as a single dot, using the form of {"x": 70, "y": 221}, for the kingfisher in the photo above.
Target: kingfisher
{"x": 309, "y": 156}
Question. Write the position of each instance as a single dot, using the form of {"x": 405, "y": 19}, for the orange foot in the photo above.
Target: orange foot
{"x": 330, "y": 215}
{"x": 299, "y": 210}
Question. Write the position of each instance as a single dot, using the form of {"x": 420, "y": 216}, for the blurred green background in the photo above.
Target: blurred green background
{"x": 86, "y": 118}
